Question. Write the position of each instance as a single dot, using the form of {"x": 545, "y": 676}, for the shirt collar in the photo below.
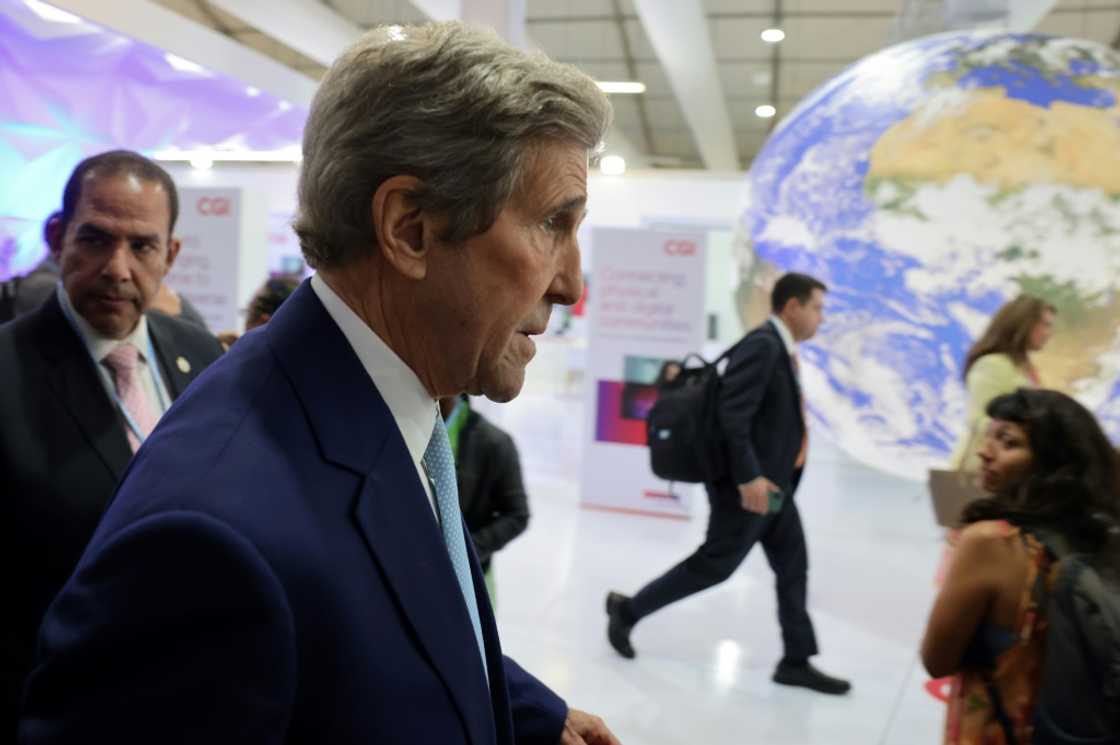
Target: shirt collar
{"x": 784, "y": 332}
{"x": 412, "y": 407}
{"x": 99, "y": 346}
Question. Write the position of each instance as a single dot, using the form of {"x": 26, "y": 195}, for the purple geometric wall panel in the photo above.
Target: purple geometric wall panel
{"x": 69, "y": 90}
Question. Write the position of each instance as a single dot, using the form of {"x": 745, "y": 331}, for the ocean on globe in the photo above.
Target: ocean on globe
{"x": 926, "y": 185}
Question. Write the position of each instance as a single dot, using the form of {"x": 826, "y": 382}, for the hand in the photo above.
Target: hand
{"x": 755, "y": 495}
{"x": 581, "y": 728}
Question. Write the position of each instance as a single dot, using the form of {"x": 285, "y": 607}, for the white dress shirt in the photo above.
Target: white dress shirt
{"x": 151, "y": 379}
{"x": 787, "y": 336}
{"x": 413, "y": 408}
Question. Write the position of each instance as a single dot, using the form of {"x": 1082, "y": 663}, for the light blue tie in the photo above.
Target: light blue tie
{"x": 440, "y": 465}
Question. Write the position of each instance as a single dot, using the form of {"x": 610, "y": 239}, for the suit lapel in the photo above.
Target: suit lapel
{"x": 74, "y": 380}
{"x": 395, "y": 518}
{"x": 356, "y": 430}
{"x": 495, "y": 660}
{"x": 176, "y": 370}
{"x": 795, "y": 382}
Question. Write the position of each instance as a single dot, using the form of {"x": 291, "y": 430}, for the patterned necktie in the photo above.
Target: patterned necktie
{"x": 803, "y": 453}
{"x": 123, "y": 362}
{"x": 440, "y": 466}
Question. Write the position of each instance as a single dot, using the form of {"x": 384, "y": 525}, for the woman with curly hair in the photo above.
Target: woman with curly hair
{"x": 1050, "y": 471}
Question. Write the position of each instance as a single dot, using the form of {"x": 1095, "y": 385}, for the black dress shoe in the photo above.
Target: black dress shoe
{"x": 618, "y": 630}
{"x": 805, "y": 675}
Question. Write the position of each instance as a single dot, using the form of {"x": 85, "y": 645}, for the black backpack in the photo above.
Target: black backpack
{"x": 685, "y": 439}
{"x": 1079, "y": 697}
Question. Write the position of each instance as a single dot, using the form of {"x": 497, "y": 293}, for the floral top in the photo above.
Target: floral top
{"x": 1009, "y": 658}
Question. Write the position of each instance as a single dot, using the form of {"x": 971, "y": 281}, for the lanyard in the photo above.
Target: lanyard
{"x": 152, "y": 364}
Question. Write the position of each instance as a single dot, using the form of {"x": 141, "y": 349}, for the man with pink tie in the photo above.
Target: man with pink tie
{"x": 83, "y": 380}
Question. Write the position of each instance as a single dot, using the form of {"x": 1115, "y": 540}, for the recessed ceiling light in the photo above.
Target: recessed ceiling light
{"x": 765, "y": 111}
{"x": 184, "y": 65}
{"x": 773, "y": 35}
{"x": 51, "y": 13}
{"x": 621, "y": 86}
{"x": 202, "y": 162}
{"x": 612, "y": 165}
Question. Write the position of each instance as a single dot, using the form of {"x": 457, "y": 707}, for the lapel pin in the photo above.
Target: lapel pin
{"x": 183, "y": 365}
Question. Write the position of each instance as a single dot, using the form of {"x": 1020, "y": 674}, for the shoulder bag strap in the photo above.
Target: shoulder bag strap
{"x": 1044, "y": 556}
{"x": 1000, "y": 712}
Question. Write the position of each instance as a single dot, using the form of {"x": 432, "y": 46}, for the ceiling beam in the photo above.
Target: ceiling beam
{"x": 803, "y": 15}
{"x": 632, "y": 74}
{"x": 310, "y": 28}
{"x": 776, "y": 68}
{"x": 164, "y": 29}
{"x": 440, "y": 10}
{"x": 678, "y": 33}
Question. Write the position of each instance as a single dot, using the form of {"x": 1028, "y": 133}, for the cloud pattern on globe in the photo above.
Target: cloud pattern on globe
{"x": 927, "y": 184}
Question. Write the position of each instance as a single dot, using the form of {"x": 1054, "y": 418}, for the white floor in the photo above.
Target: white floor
{"x": 702, "y": 674}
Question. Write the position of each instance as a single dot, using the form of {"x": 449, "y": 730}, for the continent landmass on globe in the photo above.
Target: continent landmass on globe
{"x": 994, "y": 170}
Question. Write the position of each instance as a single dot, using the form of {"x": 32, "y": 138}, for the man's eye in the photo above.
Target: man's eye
{"x": 556, "y": 223}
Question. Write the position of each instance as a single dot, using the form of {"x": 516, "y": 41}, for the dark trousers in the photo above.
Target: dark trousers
{"x": 732, "y": 532}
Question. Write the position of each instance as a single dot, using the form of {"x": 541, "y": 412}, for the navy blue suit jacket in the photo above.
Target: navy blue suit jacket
{"x": 270, "y": 571}
{"x": 760, "y": 410}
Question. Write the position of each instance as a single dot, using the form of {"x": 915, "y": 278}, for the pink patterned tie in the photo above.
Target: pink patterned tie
{"x": 122, "y": 362}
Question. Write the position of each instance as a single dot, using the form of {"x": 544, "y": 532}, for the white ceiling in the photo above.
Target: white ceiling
{"x": 608, "y": 40}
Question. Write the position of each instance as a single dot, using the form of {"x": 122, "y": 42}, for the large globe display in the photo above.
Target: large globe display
{"x": 926, "y": 185}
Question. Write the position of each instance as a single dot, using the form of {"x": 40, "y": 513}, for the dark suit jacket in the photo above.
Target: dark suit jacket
{"x": 270, "y": 571}
{"x": 491, "y": 492}
{"x": 63, "y": 448}
{"x": 30, "y": 290}
{"x": 760, "y": 410}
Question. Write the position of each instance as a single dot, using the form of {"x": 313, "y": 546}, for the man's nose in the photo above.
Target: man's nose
{"x": 567, "y": 285}
{"x": 117, "y": 265}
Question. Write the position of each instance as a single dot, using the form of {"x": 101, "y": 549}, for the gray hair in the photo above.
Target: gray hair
{"x": 450, "y": 104}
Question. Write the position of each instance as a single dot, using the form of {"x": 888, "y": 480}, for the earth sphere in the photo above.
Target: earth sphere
{"x": 926, "y": 185}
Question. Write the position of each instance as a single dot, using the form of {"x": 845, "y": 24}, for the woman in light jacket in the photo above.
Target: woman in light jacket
{"x": 998, "y": 363}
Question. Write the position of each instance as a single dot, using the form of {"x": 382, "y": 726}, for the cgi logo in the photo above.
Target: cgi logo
{"x": 679, "y": 248}
{"x": 213, "y": 206}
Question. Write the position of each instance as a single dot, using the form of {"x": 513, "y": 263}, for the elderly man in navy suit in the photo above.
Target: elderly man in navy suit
{"x": 285, "y": 561}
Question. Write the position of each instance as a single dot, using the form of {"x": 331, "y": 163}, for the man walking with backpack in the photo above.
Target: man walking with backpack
{"x": 762, "y": 415}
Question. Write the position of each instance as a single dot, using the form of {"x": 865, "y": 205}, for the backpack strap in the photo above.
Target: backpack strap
{"x": 1043, "y": 561}
{"x": 693, "y": 356}
{"x": 1054, "y": 548}
{"x": 703, "y": 362}
{"x": 1001, "y": 712}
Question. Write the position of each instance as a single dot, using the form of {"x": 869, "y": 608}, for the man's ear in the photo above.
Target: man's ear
{"x": 173, "y": 247}
{"x": 53, "y": 232}
{"x": 399, "y": 226}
